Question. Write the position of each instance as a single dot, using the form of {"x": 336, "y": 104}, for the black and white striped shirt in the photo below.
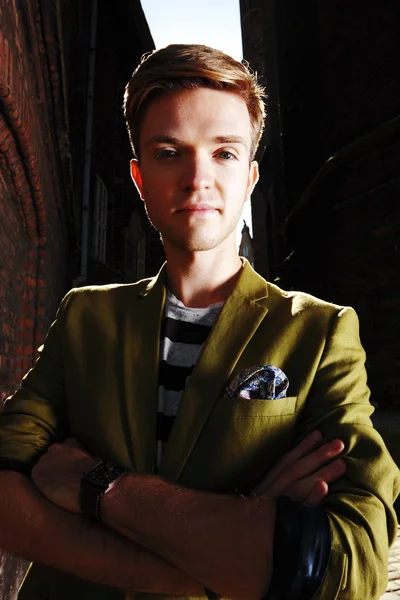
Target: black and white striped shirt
{"x": 183, "y": 335}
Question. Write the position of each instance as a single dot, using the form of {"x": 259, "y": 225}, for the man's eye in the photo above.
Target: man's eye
{"x": 226, "y": 155}
{"x": 165, "y": 153}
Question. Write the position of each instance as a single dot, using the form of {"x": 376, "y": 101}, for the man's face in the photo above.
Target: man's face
{"x": 195, "y": 172}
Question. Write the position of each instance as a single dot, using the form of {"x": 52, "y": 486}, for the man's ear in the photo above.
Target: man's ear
{"x": 137, "y": 176}
{"x": 253, "y": 178}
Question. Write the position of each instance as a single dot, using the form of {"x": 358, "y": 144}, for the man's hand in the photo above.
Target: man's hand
{"x": 59, "y": 471}
{"x": 303, "y": 474}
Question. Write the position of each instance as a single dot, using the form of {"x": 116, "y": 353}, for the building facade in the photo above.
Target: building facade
{"x": 69, "y": 213}
{"x": 326, "y": 216}
{"x": 246, "y": 244}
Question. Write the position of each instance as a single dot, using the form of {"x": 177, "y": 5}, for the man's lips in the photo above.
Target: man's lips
{"x": 197, "y": 208}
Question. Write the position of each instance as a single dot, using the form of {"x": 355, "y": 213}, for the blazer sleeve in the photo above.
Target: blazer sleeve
{"x": 35, "y": 416}
{"x": 359, "y": 505}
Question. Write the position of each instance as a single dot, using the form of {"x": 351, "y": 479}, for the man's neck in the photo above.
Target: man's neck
{"x": 199, "y": 279}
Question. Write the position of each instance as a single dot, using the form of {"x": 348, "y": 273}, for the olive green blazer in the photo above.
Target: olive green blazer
{"x": 96, "y": 380}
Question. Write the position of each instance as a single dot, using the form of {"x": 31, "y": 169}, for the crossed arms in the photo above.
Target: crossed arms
{"x": 220, "y": 542}
{"x": 223, "y": 542}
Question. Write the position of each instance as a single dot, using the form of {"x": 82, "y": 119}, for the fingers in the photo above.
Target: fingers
{"x": 332, "y": 471}
{"x": 304, "y": 447}
{"x": 317, "y": 494}
{"x": 312, "y": 489}
{"x": 309, "y": 464}
{"x": 69, "y": 450}
{"x": 299, "y": 463}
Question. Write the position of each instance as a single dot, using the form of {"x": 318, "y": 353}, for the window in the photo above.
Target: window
{"x": 135, "y": 249}
{"x": 100, "y": 220}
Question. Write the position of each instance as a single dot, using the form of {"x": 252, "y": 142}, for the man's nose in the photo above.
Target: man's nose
{"x": 196, "y": 173}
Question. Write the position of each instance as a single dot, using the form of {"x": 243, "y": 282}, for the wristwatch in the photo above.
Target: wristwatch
{"x": 94, "y": 485}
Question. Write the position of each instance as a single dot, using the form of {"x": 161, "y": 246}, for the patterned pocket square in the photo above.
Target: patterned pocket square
{"x": 261, "y": 382}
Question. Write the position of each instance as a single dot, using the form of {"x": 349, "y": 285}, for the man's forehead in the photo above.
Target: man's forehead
{"x": 218, "y": 116}
{"x": 206, "y": 103}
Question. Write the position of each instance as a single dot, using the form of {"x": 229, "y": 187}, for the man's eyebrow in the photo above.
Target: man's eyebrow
{"x": 219, "y": 139}
{"x": 163, "y": 139}
{"x": 229, "y": 139}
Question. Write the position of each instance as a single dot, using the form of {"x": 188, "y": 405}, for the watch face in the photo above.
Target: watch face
{"x": 104, "y": 473}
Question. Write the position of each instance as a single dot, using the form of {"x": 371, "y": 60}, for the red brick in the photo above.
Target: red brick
{"x": 24, "y": 350}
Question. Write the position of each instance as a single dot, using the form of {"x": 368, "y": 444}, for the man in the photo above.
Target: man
{"x": 220, "y": 402}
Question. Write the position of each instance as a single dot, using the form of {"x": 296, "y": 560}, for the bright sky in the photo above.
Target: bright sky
{"x": 214, "y": 23}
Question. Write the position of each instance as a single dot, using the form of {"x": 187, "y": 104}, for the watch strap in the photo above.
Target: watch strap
{"x": 90, "y": 498}
{"x": 94, "y": 484}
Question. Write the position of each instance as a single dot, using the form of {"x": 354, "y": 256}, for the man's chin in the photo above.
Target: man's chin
{"x": 191, "y": 244}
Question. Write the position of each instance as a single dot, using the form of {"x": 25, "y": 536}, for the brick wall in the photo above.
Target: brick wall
{"x": 359, "y": 53}
{"x": 13, "y": 250}
{"x": 33, "y": 228}
{"x": 269, "y": 199}
{"x": 332, "y": 76}
{"x": 346, "y": 243}
{"x": 33, "y": 248}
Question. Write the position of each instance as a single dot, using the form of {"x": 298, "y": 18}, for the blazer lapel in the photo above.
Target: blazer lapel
{"x": 241, "y": 315}
{"x": 141, "y": 356}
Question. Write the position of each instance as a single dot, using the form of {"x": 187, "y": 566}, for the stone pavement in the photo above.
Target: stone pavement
{"x": 393, "y": 588}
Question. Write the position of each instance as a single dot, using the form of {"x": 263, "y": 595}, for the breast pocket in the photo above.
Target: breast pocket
{"x": 242, "y": 408}
{"x": 240, "y": 442}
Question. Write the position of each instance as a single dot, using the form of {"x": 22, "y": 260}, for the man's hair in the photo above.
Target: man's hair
{"x": 190, "y": 66}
